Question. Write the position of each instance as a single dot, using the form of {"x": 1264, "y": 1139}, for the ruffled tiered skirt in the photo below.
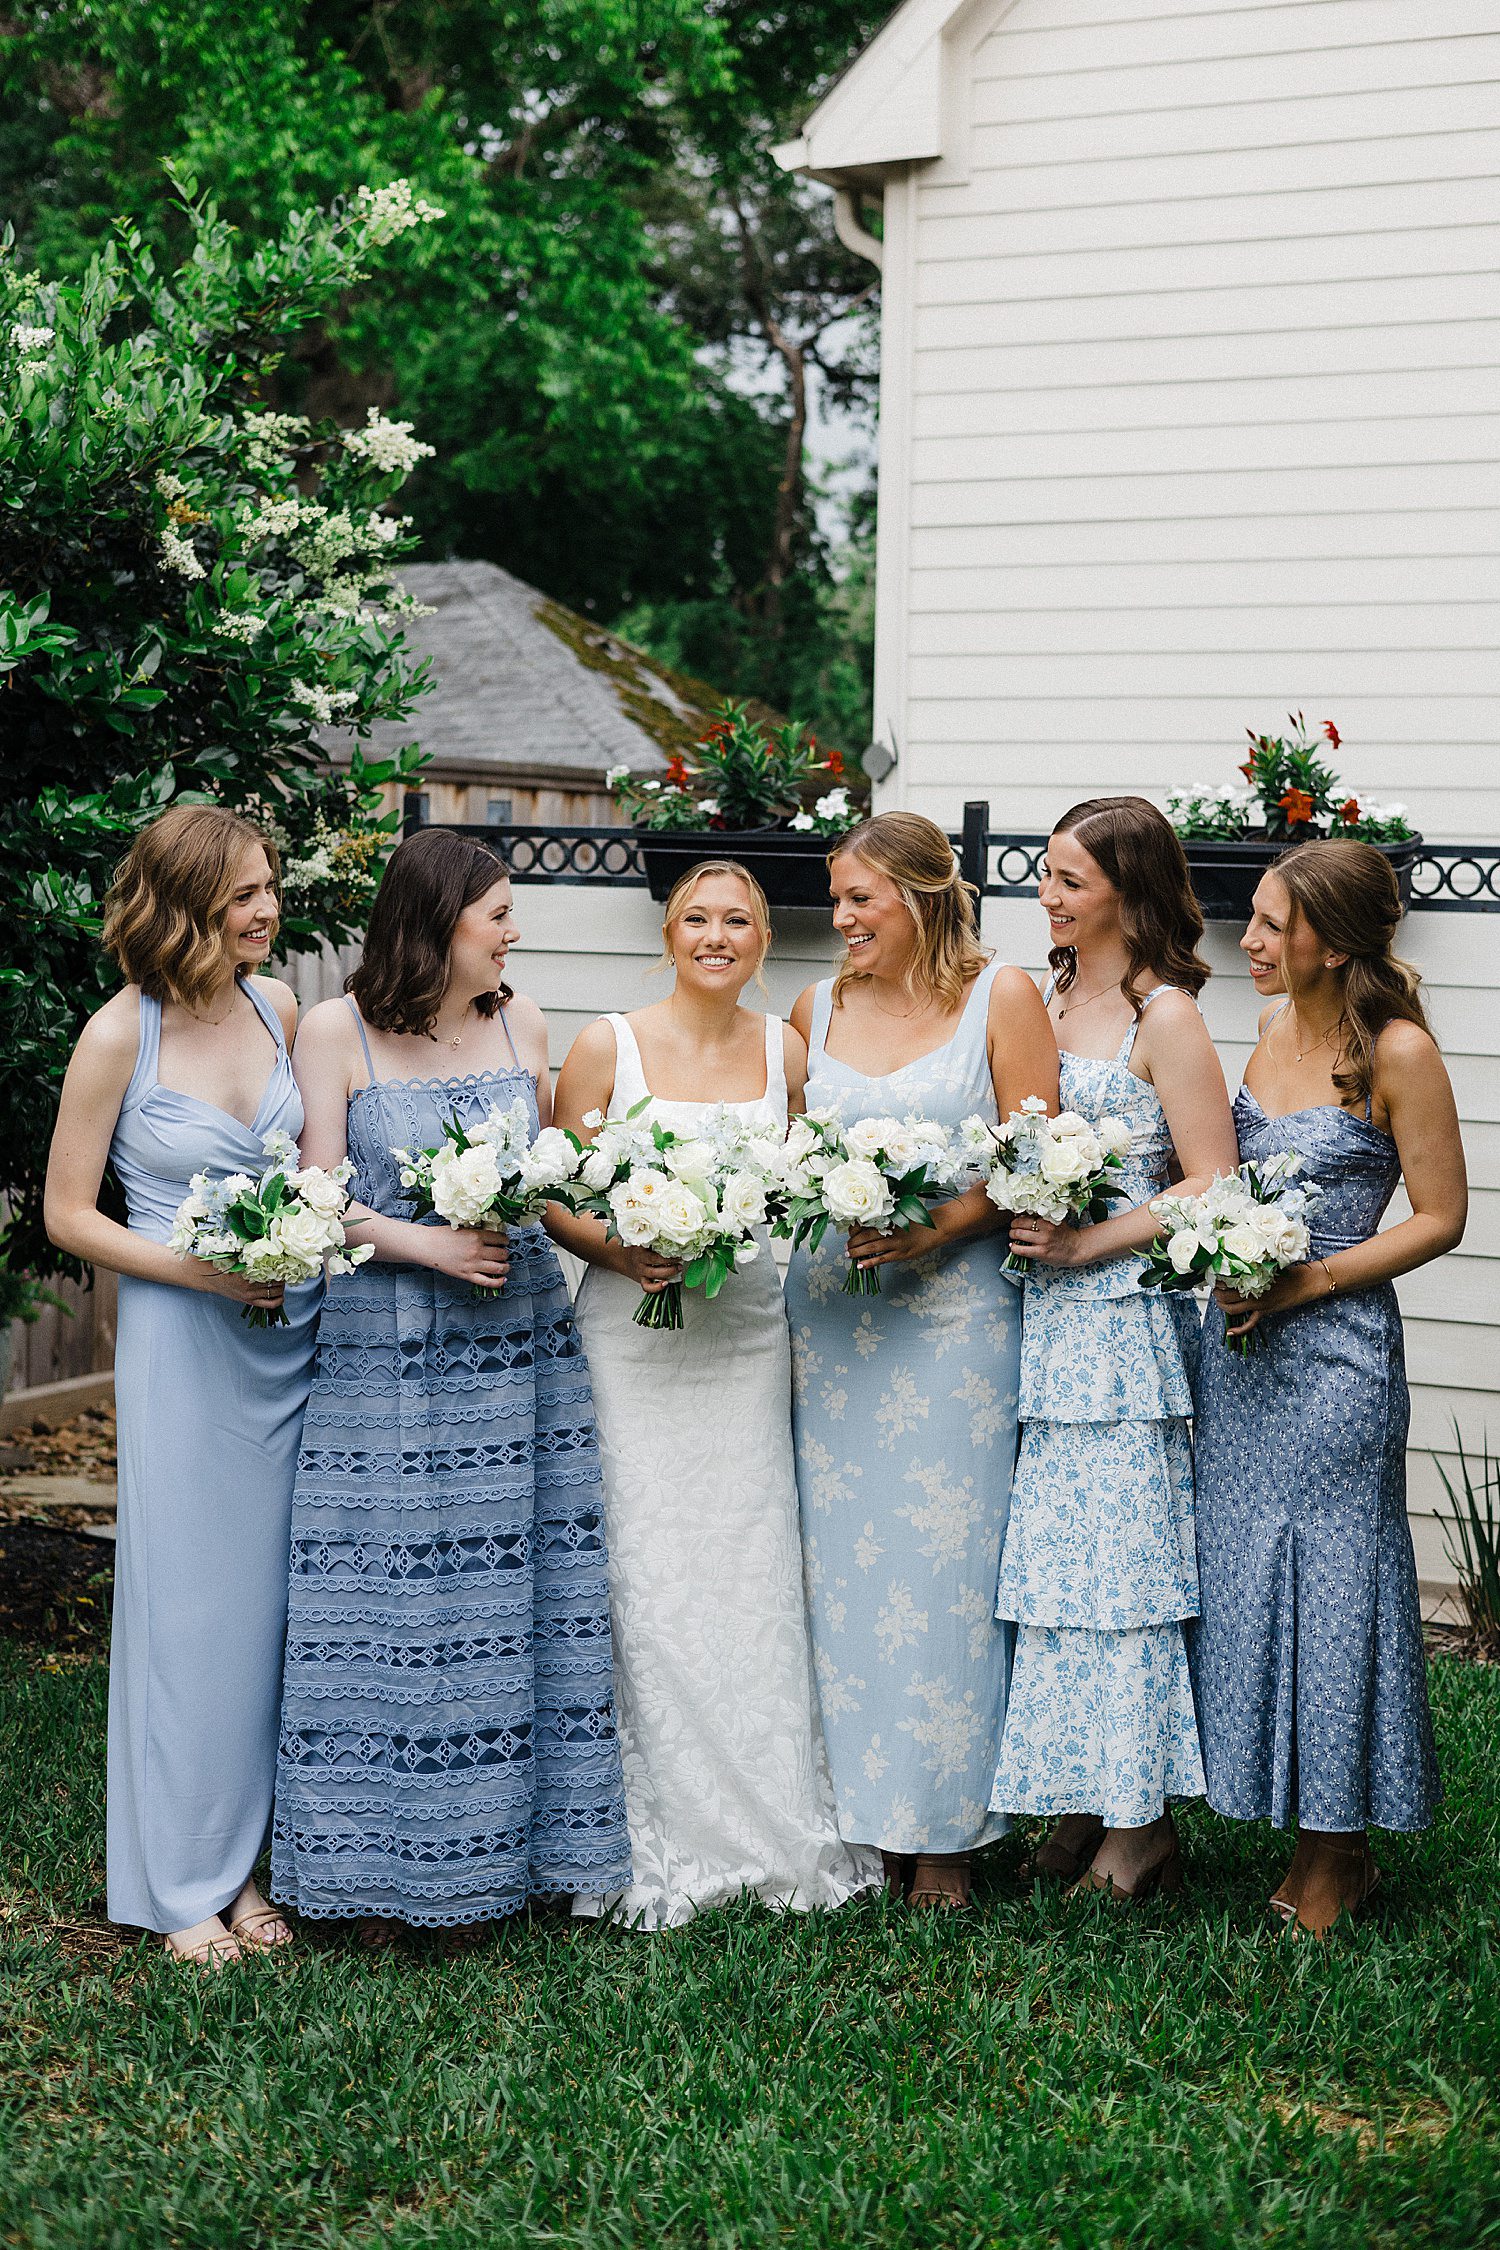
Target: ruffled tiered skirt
{"x": 1098, "y": 1569}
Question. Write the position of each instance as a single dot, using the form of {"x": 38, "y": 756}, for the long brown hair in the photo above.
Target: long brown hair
{"x": 1136, "y": 849}
{"x": 165, "y": 910}
{"x": 1347, "y": 894}
{"x": 403, "y": 971}
{"x": 918, "y": 858}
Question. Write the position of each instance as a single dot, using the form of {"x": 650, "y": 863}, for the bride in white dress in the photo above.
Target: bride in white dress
{"x": 725, "y": 1773}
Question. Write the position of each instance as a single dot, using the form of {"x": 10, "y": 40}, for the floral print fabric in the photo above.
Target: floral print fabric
{"x": 905, "y": 1418}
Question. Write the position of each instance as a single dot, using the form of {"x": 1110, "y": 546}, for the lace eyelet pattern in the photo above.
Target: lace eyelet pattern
{"x": 448, "y": 1745}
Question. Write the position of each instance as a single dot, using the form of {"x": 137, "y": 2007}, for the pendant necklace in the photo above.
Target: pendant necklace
{"x": 1321, "y": 1040}
{"x": 1073, "y": 1006}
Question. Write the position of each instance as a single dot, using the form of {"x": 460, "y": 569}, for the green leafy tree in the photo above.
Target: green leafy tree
{"x": 192, "y": 588}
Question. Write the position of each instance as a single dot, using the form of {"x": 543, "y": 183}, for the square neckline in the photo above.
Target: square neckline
{"x": 517, "y": 1069}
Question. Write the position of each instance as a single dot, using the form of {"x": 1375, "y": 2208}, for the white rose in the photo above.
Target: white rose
{"x": 801, "y": 1140}
{"x": 1182, "y": 1249}
{"x": 867, "y": 1136}
{"x": 744, "y": 1200}
{"x": 257, "y": 1257}
{"x": 1115, "y": 1136}
{"x": 302, "y": 1234}
{"x": 465, "y": 1184}
{"x": 319, "y": 1191}
{"x": 681, "y": 1215}
{"x": 598, "y": 1170}
{"x": 856, "y": 1194}
{"x": 635, "y": 1203}
{"x": 1068, "y": 1122}
{"x": 692, "y": 1161}
{"x": 1065, "y": 1162}
{"x": 1244, "y": 1242}
{"x": 550, "y": 1159}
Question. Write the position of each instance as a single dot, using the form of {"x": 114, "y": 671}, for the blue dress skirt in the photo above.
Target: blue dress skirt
{"x": 210, "y": 1412}
{"x": 1307, "y": 1659}
{"x": 448, "y": 1744}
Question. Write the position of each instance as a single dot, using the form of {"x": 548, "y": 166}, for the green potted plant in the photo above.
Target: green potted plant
{"x": 1233, "y": 831}
{"x": 741, "y": 793}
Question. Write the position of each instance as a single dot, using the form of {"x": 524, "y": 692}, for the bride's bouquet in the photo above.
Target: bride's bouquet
{"x": 693, "y": 1198}
{"x": 491, "y": 1173}
{"x": 287, "y": 1224}
{"x": 1062, "y": 1169}
{"x": 881, "y": 1172}
{"x": 1245, "y": 1228}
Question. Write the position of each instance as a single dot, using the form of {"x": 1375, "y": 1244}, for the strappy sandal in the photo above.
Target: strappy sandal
{"x": 898, "y": 1869}
{"x": 935, "y": 1898}
{"x": 1354, "y": 1908}
{"x": 208, "y": 1953}
{"x": 377, "y": 1933}
{"x": 1164, "y": 1878}
{"x": 247, "y": 1925}
{"x": 1066, "y": 1863}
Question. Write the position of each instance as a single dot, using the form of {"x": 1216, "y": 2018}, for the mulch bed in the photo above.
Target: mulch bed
{"x": 55, "y": 1588}
{"x": 84, "y": 1447}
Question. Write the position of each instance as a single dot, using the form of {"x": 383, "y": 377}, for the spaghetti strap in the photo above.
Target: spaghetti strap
{"x": 821, "y": 1016}
{"x": 775, "y": 1092}
{"x": 359, "y": 1025}
{"x": 1127, "y": 1044}
{"x": 630, "y": 1085}
{"x": 266, "y": 1012}
{"x": 505, "y": 1027}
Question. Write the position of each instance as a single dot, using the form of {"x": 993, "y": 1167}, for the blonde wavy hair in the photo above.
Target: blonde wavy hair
{"x": 1346, "y": 892}
{"x": 681, "y": 893}
{"x": 165, "y": 910}
{"x": 918, "y": 858}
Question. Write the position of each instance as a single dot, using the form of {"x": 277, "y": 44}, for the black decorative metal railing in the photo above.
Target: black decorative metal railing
{"x": 1445, "y": 878}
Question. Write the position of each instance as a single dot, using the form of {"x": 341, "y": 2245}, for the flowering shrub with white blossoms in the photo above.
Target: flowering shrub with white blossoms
{"x": 1062, "y": 1169}
{"x": 1246, "y": 1228}
{"x": 881, "y": 1172}
{"x": 492, "y": 1173}
{"x": 287, "y": 1225}
{"x": 696, "y": 1198}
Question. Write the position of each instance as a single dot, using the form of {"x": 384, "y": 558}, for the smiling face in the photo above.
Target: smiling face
{"x": 715, "y": 940}
{"x": 482, "y": 937}
{"x": 253, "y": 913}
{"x": 871, "y": 917}
{"x": 1081, "y": 903}
{"x": 1283, "y": 949}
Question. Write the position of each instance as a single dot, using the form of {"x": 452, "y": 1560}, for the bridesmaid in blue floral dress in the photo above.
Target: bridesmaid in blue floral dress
{"x": 905, "y": 1404}
{"x": 185, "y": 1071}
{"x": 1307, "y": 1659}
{"x": 448, "y": 1745}
{"x": 1099, "y": 1567}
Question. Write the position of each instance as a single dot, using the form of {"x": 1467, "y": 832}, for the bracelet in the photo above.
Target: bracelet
{"x": 1333, "y": 1287}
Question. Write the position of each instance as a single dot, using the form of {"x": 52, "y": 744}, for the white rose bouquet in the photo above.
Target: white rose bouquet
{"x": 1062, "y": 1169}
{"x": 1245, "y": 1228}
{"x": 881, "y": 1172}
{"x": 695, "y": 1199}
{"x": 285, "y": 1225}
{"x": 492, "y": 1173}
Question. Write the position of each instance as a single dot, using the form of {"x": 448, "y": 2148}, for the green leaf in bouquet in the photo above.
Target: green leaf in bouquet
{"x": 644, "y": 1103}
{"x": 274, "y": 1193}
{"x": 913, "y": 1212}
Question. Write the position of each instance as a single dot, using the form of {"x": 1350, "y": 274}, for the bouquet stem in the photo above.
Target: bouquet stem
{"x": 1012, "y": 1263}
{"x": 862, "y": 1281}
{"x": 660, "y": 1308}
{"x": 266, "y": 1316}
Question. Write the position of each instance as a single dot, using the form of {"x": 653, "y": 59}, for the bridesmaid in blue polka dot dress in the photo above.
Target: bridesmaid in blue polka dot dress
{"x": 1307, "y": 1658}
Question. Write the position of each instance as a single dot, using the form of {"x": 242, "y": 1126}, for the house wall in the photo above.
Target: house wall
{"x": 1189, "y": 414}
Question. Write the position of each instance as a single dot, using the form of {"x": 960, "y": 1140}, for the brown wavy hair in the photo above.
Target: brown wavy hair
{"x": 1137, "y": 850}
{"x": 1346, "y": 892}
{"x": 918, "y": 858}
{"x": 165, "y": 910}
{"x": 403, "y": 971}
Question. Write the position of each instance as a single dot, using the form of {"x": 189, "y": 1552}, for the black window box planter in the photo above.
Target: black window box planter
{"x": 1225, "y": 871}
{"x": 790, "y": 867}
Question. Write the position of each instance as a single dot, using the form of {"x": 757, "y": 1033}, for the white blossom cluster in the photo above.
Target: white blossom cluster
{"x": 830, "y": 815}
{"x": 242, "y": 625}
{"x": 389, "y": 211}
{"x": 389, "y": 447}
{"x": 287, "y": 1225}
{"x": 491, "y": 1173}
{"x": 1053, "y": 1168}
{"x": 27, "y": 340}
{"x": 268, "y": 440}
{"x": 881, "y": 1172}
{"x": 178, "y": 555}
{"x": 323, "y": 703}
{"x": 1245, "y": 1228}
{"x": 1211, "y": 809}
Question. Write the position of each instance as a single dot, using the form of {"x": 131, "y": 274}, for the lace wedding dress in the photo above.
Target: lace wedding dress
{"x": 726, "y": 1780}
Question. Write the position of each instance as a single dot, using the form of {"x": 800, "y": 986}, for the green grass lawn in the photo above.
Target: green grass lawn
{"x": 1031, "y": 2074}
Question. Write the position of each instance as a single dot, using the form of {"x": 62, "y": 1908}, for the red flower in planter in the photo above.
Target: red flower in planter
{"x": 1248, "y": 769}
{"x": 1297, "y": 805}
{"x": 1331, "y": 732}
{"x": 835, "y": 761}
{"x": 1349, "y": 811}
{"x": 677, "y": 773}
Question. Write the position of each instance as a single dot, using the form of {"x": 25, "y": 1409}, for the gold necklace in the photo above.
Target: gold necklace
{"x": 1321, "y": 1040}
{"x": 1074, "y": 1006}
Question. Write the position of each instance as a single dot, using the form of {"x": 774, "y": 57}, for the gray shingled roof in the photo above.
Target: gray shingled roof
{"x": 526, "y": 688}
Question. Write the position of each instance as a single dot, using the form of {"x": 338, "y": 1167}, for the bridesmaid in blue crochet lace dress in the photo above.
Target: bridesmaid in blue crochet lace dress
{"x": 185, "y": 1071}
{"x": 1307, "y": 1659}
{"x": 1099, "y": 1569}
{"x": 448, "y": 1744}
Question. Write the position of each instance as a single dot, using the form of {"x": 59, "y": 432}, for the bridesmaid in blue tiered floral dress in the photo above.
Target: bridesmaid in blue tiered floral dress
{"x": 448, "y": 1743}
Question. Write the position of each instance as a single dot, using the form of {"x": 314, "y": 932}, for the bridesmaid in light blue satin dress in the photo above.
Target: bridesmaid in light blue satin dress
{"x": 905, "y": 1404}
{"x": 184, "y": 1072}
{"x": 1307, "y": 1658}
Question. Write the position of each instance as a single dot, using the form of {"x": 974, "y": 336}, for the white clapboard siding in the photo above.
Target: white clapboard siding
{"x": 1211, "y": 587}
{"x": 1009, "y": 363}
{"x": 1218, "y": 630}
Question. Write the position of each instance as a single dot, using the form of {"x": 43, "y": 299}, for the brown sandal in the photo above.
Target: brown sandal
{"x": 1164, "y": 1878}
{"x": 1066, "y": 1863}
{"x": 247, "y": 1925}
{"x": 935, "y": 1898}
{"x": 208, "y": 1953}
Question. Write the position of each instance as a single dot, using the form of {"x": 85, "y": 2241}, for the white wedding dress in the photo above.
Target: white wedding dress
{"x": 726, "y": 1778}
